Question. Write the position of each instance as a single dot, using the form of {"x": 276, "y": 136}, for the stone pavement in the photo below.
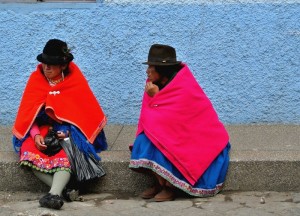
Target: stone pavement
{"x": 225, "y": 203}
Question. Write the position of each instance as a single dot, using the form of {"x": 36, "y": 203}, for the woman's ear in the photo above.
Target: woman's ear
{"x": 63, "y": 67}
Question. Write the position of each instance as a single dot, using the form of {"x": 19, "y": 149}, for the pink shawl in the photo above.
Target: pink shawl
{"x": 182, "y": 123}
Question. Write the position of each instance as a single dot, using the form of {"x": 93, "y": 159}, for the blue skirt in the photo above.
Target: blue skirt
{"x": 146, "y": 155}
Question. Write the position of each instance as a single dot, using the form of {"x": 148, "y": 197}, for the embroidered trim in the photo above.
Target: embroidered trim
{"x": 44, "y": 164}
{"x": 199, "y": 192}
{"x": 21, "y": 136}
{"x": 56, "y": 169}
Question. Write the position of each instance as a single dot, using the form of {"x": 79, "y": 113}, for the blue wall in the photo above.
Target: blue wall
{"x": 246, "y": 56}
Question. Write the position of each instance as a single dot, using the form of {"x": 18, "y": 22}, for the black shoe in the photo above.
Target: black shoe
{"x": 70, "y": 194}
{"x": 51, "y": 201}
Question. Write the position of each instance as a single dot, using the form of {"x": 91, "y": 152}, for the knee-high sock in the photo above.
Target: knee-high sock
{"x": 44, "y": 177}
{"x": 60, "y": 180}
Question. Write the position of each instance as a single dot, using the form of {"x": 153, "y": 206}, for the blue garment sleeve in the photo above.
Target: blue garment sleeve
{"x": 17, "y": 143}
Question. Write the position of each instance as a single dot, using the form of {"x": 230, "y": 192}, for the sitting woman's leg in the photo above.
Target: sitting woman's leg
{"x": 60, "y": 180}
{"x": 149, "y": 193}
{"x": 162, "y": 190}
{"x": 53, "y": 198}
{"x": 167, "y": 192}
{"x": 44, "y": 177}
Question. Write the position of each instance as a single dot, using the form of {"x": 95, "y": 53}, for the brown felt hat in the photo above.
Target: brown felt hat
{"x": 162, "y": 55}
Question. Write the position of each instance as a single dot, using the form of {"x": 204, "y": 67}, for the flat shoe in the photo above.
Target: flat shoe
{"x": 167, "y": 194}
{"x": 51, "y": 201}
{"x": 150, "y": 192}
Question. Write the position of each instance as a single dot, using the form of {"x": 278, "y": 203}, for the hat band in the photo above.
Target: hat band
{"x": 163, "y": 60}
{"x": 53, "y": 58}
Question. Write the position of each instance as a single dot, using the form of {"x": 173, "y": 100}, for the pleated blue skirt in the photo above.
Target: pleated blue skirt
{"x": 146, "y": 155}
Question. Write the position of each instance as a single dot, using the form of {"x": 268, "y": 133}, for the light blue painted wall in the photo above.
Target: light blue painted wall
{"x": 246, "y": 56}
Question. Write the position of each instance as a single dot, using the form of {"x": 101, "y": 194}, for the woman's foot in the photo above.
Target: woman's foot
{"x": 51, "y": 201}
{"x": 166, "y": 194}
{"x": 150, "y": 192}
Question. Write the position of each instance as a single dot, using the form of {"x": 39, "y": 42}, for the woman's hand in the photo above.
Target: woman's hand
{"x": 151, "y": 89}
{"x": 39, "y": 142}
{"x": 62, "y": 135}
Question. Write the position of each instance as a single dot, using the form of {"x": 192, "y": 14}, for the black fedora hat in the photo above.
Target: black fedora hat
{"x": 162, "y": 55}
{"x": 55, "y": 52}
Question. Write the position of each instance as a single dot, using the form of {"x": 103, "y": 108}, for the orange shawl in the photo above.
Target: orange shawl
{"x": 70, "y": 101}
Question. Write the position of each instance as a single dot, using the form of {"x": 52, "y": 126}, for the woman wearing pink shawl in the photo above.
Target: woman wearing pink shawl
{"x": 179, "y": 138}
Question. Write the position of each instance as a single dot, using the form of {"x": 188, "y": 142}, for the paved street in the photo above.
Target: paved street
{"x": 226, "y": 203}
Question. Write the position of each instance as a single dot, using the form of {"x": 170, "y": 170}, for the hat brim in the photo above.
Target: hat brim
{"x": 162, "y": 63}
{"x": 54, "y": 60}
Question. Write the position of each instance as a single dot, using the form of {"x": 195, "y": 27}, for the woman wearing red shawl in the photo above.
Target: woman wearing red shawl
{"x": 58, "y": 100}
{"x": 179, "y": 139}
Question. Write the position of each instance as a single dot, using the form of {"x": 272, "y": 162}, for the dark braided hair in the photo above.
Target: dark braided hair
{"x": 168, "y": 71}
{"x": 66, "y": 71}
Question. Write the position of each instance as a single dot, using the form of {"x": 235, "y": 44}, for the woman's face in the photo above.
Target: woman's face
{"x": 53, "y": 71}
{"x": 152, "y": 74}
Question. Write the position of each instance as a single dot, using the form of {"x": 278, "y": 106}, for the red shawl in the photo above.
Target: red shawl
{"x": 182, "y": 123}
{"x": 70, "y": 101}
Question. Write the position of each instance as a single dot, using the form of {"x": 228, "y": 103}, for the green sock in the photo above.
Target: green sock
{"x": 60, "y": 180}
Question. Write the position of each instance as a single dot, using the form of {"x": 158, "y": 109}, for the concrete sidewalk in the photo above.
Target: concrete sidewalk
{"x": 263, "y": 158}
{"x": 104, "y": 204}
